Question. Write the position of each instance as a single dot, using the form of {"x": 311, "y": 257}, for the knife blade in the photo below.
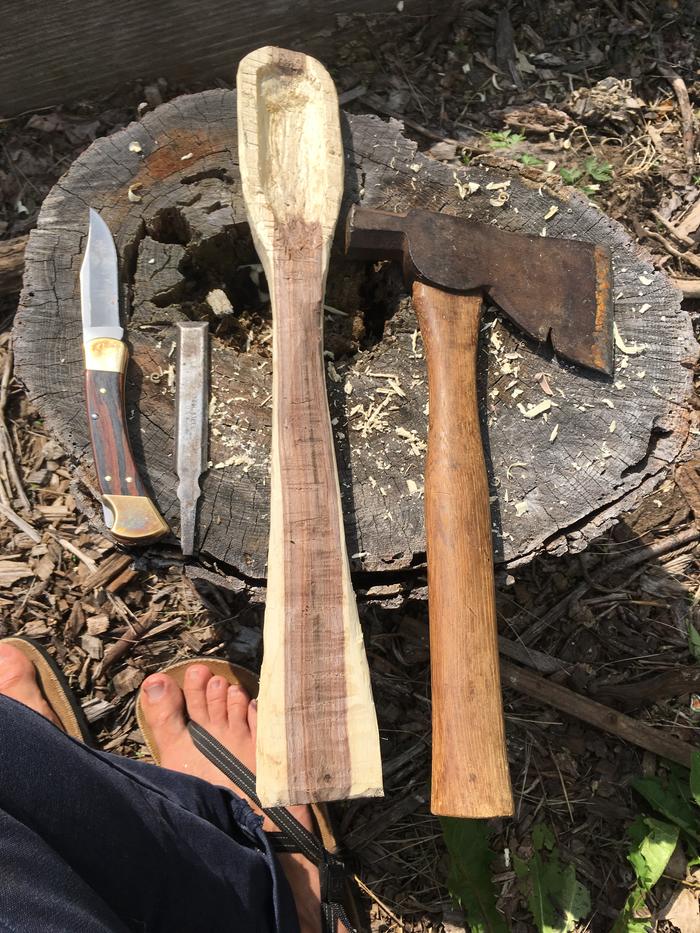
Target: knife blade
{"x": 191, "y": 423}
{"x": 129, "y": 512}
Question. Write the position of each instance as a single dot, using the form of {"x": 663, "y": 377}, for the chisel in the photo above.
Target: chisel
{"x": 191, "y": 425}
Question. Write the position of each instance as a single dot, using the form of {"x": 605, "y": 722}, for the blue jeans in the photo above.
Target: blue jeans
{"x": 95, "y": 842}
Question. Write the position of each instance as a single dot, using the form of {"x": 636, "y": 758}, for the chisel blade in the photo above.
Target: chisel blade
{"x": 191, "y": 423}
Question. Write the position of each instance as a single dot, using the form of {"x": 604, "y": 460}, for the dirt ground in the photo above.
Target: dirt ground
{"x": 604, "y": 95}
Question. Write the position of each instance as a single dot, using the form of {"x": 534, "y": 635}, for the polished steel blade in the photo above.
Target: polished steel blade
{"x": 99, "y": 283}
{"x": 191, "y": 423}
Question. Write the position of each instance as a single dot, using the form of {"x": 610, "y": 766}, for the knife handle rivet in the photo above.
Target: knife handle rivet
{"x": 103, "y": 391}
{"x": 93, "y": 416}
{"x": 129, "y": 479}
{"x": 108, "y": 478}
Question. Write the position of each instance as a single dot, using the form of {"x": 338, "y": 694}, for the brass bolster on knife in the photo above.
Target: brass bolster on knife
{"x": 136, "y": 519}
{"x": 106, "y": 354}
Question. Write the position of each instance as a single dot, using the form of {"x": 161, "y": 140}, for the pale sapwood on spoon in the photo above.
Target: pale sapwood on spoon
{"x": 317, "y": 728}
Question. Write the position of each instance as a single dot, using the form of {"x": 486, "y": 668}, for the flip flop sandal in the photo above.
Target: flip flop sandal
{"x": 54, "y": 687}
{"x": 338, "y": 896}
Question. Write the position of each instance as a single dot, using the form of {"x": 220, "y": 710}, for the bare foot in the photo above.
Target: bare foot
{"x": 228, "y": 713}
{"x": 18, "y": 681}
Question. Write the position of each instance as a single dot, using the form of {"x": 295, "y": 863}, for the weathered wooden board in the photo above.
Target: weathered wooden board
{"x": 54, "y": 53}
{"x": 187, "y": 235}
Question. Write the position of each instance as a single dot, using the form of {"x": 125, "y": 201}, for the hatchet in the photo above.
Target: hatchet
{"x": 554, "y": 289}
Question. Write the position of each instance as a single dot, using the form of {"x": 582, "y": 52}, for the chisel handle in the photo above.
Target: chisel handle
{"x": 470, "y": 769}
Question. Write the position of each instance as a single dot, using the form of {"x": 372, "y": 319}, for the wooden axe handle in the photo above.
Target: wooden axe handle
{"x": 470, "y": 769}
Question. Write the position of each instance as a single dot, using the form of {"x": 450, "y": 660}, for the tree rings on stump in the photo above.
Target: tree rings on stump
{"x": 567, "y": 450}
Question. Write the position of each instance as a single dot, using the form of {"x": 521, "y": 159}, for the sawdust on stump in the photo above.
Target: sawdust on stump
{"x": 567, "y": 450}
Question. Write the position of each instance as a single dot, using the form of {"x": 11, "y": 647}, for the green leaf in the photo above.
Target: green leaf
{"x": 527, "y": 159}
{"x": 629, "y": 920}
{"x": 695, "y": 777}
{"x": 654, "y": 844}
{"x": 557, "y": 900}
{"x": 504, "y": 139}
{"x": 694, "y": 641}
{"x": 673, "y": 801}
{"x": 469, "y": 879}
{"x": 571, "y": 175}
{"x": 599, "y": 171}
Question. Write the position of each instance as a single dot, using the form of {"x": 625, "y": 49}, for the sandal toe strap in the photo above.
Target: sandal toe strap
{"x": 293, "y": 837}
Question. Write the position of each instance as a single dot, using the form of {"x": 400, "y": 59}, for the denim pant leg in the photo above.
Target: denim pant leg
{"x": 161, "y": 851}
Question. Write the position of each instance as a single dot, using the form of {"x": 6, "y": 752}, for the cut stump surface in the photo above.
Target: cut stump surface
{"x": 174, "y": 204}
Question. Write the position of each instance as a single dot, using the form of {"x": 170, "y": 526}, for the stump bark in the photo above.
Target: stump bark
{"x": 175, "y": 208}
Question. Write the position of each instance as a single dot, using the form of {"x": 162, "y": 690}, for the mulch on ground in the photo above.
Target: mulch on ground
{"x": 599, "y": 95}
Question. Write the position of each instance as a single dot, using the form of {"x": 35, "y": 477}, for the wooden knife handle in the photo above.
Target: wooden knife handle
{"x": 470, "y": 769}
{"x": 134, "y": 517}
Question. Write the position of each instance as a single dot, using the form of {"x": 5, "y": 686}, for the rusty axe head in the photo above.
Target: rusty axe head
{"x": 553, "y": 289}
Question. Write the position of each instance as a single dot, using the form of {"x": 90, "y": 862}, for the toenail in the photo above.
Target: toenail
{"x": 217, "y": 683}
{"x": 155, "y": 690}
{"x": 193, "y": 673}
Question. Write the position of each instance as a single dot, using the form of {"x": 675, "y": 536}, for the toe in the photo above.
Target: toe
{"x": 163, "y": 706}
{"x": 197, "y": 676}
{"x": 253, "y": 718}
{"x": 216, "y": 700}
{"x": 237, "y": 700}
{"x": 16, "y": 671}
{"x": 18, "y": 681}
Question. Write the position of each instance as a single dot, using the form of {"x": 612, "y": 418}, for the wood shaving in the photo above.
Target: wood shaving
{"x": 534, "y": 410}
{"x": 186, "y": 157}
{"x": 551, "y": 212}
{"x": 501, "y": 198}
{"x": 237, "y": 460}
{"x": 613, "y": 425}
{"x": 553, "y": 435}
{"x": 135, "y": 146}
{"x": 132, "y": 193}
{"x": 630, "y": 349}
{"x": 521, "y": 507}
{"x": 333, "y": 372}
{"x": 497, "y": 185}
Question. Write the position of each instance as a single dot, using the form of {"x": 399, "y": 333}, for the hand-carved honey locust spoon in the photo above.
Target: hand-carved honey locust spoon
{"x": 553, "y": 289}
{"x": 317, "y": 728}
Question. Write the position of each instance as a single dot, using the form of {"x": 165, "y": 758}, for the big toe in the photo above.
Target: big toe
{"x": 163, "y": 707}
{"x": 18, "y": 681}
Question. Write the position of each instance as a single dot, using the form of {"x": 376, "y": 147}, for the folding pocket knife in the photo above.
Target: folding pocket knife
{"x": 129, "y": 513}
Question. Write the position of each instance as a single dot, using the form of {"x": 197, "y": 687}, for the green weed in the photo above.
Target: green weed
{"x": 677, "y": 799}
{"x": 504, "y": 139}
{"x": 557, "y": 900}
{"x": 469, "y": 879}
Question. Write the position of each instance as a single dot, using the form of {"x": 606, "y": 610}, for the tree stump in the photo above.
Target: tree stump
{"x": 168, "y": 186}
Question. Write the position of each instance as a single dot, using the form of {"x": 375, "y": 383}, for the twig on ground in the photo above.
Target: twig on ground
{"x": 380, "y": 904}
{"x": 75, "y": 551}
{"x": 6, "y": 449}
{"x": 637, "y": 556}
{"x": 681, "y": 92}
{"x": 20, "y": 523}
{"x": 596, "y": 714}
{"x": 688, "y": 257}
{"x": 677, "y": 234}
{"x": 531, "y": 657}
{"x": 689, "y": 287}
